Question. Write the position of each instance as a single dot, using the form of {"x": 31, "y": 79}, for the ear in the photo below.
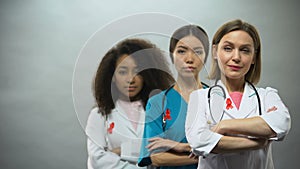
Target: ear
{"x": 214, "y": 51}
{"x": 253, "y": 59}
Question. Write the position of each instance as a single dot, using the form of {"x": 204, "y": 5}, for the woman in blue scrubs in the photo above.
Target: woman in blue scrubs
{"x": 166, "y": 146}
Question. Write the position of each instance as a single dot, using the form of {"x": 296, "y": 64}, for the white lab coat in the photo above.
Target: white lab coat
{"x": 203, "y": 140}
{"x": 123, "y": 135}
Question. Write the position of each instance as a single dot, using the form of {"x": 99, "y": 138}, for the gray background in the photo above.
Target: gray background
{"x": 41, "y": 42}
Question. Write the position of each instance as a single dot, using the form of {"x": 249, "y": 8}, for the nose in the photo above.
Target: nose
{"x": 236, "y": 56}
{"x": 190, "y": 57}
{"x": 131, "y": 77}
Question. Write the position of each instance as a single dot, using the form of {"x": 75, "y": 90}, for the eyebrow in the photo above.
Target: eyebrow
{"x": 122, "y": 67}
{"x": 247, "y": 44}
{"x": 195, "y": 48}
{"x": 126, "y": 67}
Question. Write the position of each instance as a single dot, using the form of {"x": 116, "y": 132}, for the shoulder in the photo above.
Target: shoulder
{"x": 266, "y": 91}
{"x": 95, "y": 116}
{"x": 157, "y": 98}
{"x": 95, "y": 112}
{"x": 199, "y": 93}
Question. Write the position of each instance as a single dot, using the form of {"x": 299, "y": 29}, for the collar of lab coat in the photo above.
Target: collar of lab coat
{"x": 248, "y": 105}
{"x": 125, "y": 122}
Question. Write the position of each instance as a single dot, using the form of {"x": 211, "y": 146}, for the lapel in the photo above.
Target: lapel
{"x": 125, "y": 124}
{"x": 248, "y": 105}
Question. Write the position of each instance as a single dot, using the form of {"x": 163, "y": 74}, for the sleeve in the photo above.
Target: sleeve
{"x": 152, "y": 128}
{"x": 279, "y": 120}
{"x": 97, "y": 156}
{"x": 200, "y": 137}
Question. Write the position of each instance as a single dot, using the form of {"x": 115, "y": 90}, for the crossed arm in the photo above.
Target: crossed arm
{"x": 254, "y": 127}
{"x": 177, "y": 155}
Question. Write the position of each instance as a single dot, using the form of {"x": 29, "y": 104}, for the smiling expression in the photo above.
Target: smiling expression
{"x": 235, "y": 54}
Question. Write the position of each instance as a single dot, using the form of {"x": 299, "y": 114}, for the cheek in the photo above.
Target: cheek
{"x": 221, "y": 59}
{"x": 119, "y": 81}
{"x": 249, "y": 62}
{"x": 178, "y": 61}
{"x": 140, "y": 80}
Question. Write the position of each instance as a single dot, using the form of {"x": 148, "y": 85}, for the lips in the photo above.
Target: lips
{"x": 189, "y": 68}
{"x": 131, "y": 88}
{"x": 234, "y": 68}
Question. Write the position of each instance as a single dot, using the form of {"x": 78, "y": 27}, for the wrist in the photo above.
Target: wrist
{"x": 185, "y": 147}
{"x": 221, "y": 128}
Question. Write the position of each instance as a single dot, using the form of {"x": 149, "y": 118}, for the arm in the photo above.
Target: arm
{"x": 98, "y": 157}
{"x": 153, "y": 137}
{"x": 177, "y": 155}
{"x": 116, "y": 151}
{"x": 160, "y": 143}
{"x": 275, "y": 121}
{"x": 172, "y": 159}
{"x": 229, "y": 144}
{"x": 279, "y": 120}
{"x": 201, "y": 139}
{"x": 254, "y": 126}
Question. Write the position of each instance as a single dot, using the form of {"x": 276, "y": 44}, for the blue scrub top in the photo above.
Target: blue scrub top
{"x": 175, "y": 127}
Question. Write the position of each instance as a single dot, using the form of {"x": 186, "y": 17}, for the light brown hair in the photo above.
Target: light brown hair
{"x": 253, "y": 75}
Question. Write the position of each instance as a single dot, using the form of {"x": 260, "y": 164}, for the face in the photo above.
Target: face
{"x": 188, "y": 56}
{"x": 126, "y": 79}
{"x": 235, "y": 53}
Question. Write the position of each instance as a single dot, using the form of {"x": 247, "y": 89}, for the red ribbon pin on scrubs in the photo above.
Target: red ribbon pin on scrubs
{"x": 168, "y": 115}
{"x": 111, "y": 126}
{"x": 228, "y": 104}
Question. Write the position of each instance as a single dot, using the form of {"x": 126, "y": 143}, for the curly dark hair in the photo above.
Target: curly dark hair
{"x": 153, "y": 69}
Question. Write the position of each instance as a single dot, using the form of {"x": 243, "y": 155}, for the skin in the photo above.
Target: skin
{"x": 188, "y": 58}
{"x": 126, "y": 79}
{"x": 235, "y": 53}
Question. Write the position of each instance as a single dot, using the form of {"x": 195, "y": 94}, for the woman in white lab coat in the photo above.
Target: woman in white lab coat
{"x": 241, "y": 137}
{"x": 123, "y": 82}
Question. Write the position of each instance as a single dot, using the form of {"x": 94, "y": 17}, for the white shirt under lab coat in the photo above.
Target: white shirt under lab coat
{"x": 203, "y": 140}
{"x": 123, "y": 135}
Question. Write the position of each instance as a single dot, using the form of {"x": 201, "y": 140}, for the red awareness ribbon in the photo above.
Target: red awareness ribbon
{"x": 111, "y": 126}
{"x": 228, "y": 104}
{"x": 168, "y": 115}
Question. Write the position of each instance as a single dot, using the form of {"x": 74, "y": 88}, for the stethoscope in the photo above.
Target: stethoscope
{"x": 224, "y": 96}
{"x": 164, "y": 121}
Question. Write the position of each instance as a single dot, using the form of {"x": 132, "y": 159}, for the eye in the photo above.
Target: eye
{"x": 122, "y": 72}
{"x": 180, "y": 51}
{"x": 227, "y": 48}
{"x": 245, "y": 50}
{"x": 198, "y": 52}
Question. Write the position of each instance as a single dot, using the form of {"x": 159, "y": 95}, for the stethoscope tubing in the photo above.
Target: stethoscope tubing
{"x": 224, "y": 95}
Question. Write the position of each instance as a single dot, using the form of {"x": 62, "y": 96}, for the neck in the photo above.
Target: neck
{"x": 234, "y": 85}
{"x": 129, "y": 99}
{"x": 187, "y": 85}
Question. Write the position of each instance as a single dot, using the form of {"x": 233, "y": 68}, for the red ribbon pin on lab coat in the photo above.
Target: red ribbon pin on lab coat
{"x": 228, "y": 104}
{"x": 111, "y": 127}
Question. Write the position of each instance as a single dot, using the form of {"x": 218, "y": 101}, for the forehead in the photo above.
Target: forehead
{"x": 190, "y": 41}
{"x": 126, "y": 61}
{"x": 238, "y": 37}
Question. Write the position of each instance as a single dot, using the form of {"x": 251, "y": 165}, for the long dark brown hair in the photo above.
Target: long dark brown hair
{"x": 154, "y": 71}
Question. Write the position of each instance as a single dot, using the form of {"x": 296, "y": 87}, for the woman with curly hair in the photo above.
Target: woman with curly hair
{"x": 127, "y": 76}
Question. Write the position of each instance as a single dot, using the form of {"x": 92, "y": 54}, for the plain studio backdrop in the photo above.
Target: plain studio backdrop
{"x": 47, "y": 68}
